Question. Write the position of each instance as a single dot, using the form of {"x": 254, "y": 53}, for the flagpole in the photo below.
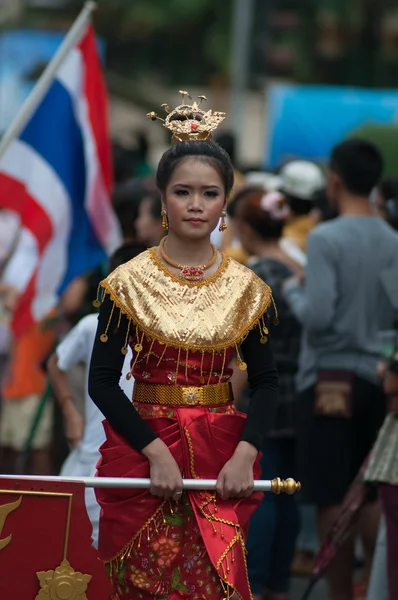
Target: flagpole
{"x": 46, "y": 78}
{"x": 276, "y": 486}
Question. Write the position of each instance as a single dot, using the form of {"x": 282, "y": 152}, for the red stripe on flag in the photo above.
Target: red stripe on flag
{"x": 97, "y": 101}
{"x": 14, "y": 196}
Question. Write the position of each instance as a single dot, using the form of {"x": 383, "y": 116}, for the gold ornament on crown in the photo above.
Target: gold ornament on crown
{"x": 188, "y": 122}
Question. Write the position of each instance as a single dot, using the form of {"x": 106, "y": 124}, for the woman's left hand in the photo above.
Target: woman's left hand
{"x": 236, "y": 477}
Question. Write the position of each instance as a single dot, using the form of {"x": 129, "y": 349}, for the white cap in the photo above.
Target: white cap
{"x": 268, "y": 181}
{"x": 301, "y": 179}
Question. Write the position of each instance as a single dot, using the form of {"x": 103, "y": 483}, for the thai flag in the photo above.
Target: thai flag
{"x": 57, "y": 175}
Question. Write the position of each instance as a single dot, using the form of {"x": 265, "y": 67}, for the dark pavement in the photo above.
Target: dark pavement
{"x": 299, "y": 584}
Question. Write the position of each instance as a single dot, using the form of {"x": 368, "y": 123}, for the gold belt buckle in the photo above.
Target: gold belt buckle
{"x": 191, "y": 395}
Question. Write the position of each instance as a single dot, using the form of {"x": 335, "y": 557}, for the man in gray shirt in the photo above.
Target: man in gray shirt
{"x": 350, "y": 295}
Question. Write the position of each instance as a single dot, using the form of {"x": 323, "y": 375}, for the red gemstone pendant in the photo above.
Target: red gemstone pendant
{"x": 192, "y": 273}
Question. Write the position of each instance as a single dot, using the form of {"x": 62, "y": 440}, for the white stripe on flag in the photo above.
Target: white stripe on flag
{"x": 24, "y": 164}
{"x": 23, "y": 261}
{"x": 97, "y": 204}
{"x": 42, "y": 183}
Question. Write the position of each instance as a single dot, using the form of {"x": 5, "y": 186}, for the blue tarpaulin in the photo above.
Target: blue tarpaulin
{"x": 23, "y": 55}
{"x": 307, "y": 121}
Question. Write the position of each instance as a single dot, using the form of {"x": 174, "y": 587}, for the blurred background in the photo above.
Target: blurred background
{"x": 294, "y": 76}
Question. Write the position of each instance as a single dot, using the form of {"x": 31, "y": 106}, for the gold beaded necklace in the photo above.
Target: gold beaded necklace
{"x": 186, "y": 272}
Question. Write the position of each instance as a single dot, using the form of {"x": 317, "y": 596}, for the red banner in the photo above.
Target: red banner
{"x": 45, "y": 543}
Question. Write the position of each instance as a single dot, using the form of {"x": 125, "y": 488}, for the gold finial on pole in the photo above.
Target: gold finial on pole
{"x": 288, "y": 486}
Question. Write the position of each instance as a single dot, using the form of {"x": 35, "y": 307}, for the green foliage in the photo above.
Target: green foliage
{"x": 159, "y": 13}
{"x": 386, "y": 138}
{"x": 182, "y": 40}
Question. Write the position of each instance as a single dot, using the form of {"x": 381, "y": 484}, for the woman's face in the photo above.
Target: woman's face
{"x": 194, "y": 199}
{"x": 149, "y": 229}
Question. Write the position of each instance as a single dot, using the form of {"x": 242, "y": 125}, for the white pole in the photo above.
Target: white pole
{"x": 243, "y": 12}
{"x": 47, "y": 77}
{"x": 188, "y": 484}
{"x": 276, "y": 486}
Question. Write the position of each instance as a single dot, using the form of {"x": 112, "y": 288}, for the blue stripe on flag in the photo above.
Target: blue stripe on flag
{"x": 54, "y": 133}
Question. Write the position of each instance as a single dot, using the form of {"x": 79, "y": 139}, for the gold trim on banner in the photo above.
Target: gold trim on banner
{"x": 5, "y": 510}
{"x": 63, "y": 582}
{"x": 55, "y": 494}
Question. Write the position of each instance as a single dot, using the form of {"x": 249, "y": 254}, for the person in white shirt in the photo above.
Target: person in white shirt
{"x": 300, "y": 181}
{"x": 85, "y": 434}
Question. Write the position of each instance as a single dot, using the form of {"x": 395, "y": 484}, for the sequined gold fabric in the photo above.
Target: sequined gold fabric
{"x": 167, "y": 395}
{"x": 209, "y": 315}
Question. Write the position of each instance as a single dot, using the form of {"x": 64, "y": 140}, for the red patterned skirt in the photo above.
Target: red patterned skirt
{"x": 194, "y": 549}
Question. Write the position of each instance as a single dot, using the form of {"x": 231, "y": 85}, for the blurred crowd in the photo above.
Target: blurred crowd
{"x": 324, "y": 238}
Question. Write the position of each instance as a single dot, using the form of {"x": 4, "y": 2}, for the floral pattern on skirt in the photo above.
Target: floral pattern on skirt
{"x": 169, "y": 561}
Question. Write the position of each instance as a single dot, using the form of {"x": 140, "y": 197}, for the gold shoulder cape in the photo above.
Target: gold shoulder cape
{"x": 211, "y": 315}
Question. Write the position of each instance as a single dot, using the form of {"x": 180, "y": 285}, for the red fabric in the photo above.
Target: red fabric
{"x": 27, "y": 550}
{"x": 97, "y": 101}
{"x": 169, "y": 558}
{"x": 201, "y": 440}
{"x": 148, "y": 367}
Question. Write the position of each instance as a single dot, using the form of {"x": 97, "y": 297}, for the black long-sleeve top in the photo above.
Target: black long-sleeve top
{"x": 106, "y": 368}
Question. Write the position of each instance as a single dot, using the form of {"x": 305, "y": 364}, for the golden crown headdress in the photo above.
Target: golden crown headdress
{"x": 188, "y": 122}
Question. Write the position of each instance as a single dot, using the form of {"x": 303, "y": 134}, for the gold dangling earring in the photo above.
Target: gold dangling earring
{"x": 165, "y": 223}
{"x": 223, "y": 225}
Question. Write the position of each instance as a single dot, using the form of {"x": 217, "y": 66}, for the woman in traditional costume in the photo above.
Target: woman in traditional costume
{"x": 185, "y": 324}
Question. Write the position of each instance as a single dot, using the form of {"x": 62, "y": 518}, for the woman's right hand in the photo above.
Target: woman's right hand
{"x": 166, "y": 479}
